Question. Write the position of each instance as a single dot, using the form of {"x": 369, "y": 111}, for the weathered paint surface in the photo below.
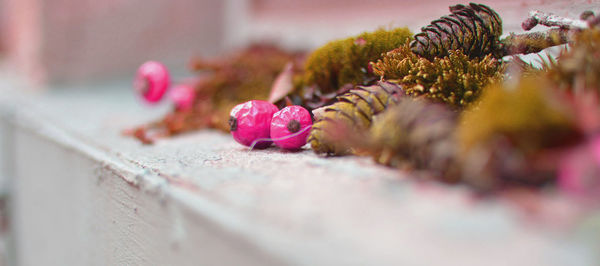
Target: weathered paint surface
{"x": 86, "y": 195}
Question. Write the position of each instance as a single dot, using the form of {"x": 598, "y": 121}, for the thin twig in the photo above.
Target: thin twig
{"x": 551, "y": 20}
{"x": 533, "y": 42}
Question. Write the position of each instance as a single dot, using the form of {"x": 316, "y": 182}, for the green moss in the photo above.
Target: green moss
{"x": 510, "y": 137}
{"x": 454, "y": 79}
{"x": 528, "y": 116}
{"x": 346, "y": 61}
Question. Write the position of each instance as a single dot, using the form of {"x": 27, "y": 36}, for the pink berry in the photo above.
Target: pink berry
{"x": 250, "y": 121}
{"x": 151, "y": 81}
{"x": 287, "y": 124}
{"x": 183, "y": 96}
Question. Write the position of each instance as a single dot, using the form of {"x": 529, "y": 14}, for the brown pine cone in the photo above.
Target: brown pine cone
{"x": 475, "y": 29}
{"x": 352, "y": 113}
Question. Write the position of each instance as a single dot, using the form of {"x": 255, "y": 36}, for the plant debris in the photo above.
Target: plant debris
{"x": 222, "y": 83}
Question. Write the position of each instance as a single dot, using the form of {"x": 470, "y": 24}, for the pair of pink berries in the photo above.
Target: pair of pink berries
{"x": 152, "y": 81}
{"x": 257, "y": 124}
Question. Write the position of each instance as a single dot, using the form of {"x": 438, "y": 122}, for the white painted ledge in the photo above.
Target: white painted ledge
{"x": 84, "y": 195}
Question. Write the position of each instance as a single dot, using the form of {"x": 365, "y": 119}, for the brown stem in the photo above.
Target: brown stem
{"x": 533, "y": 42}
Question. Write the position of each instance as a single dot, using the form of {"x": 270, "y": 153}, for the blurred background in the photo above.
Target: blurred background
{"x": 65, "y": 41}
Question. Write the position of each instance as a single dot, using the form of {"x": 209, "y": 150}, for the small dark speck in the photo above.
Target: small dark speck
{"x": 182, "y": 163}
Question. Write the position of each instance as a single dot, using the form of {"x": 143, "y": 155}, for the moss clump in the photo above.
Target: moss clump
{"x": 579, "y": 68}
{"x": 527, "y": 115}
{"x": 455, "y": 79}
{"x": 346, "y": 61}
{"x": 503, "y": 138}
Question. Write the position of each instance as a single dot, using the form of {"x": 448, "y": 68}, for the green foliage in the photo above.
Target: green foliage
{"x": 455, "y": 79}
{"x": 346, "y": 61}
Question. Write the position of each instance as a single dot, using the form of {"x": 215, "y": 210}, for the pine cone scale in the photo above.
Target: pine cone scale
{"x": 352, "y": 113}
{"x": 449, "y": 34}
{"x": 366, "y": 99}
{"x": 474, "y": 29}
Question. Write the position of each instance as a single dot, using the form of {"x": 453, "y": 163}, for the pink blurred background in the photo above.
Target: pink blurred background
{"x": 58, "y": 41}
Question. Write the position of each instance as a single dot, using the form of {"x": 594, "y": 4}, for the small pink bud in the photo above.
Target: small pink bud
{"x": 183, "y": 96}
{"x": 360, "y": 41}
{"x": 290, "y": 127}
{"x": 251, "y": 121}
{"x": 151, "y": 81}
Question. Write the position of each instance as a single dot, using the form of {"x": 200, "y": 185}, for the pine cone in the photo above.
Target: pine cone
{"x": 416, "y": 134}
{"x": 352, "y": 113}
{"x": 475, "y": 29}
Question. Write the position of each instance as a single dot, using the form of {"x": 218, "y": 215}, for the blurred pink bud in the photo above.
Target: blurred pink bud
{"x": 360, "y": 41}
{"x": 579, "y": 169}
{"x": 183, "y": 96}
{"x": 151, "y": 81}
